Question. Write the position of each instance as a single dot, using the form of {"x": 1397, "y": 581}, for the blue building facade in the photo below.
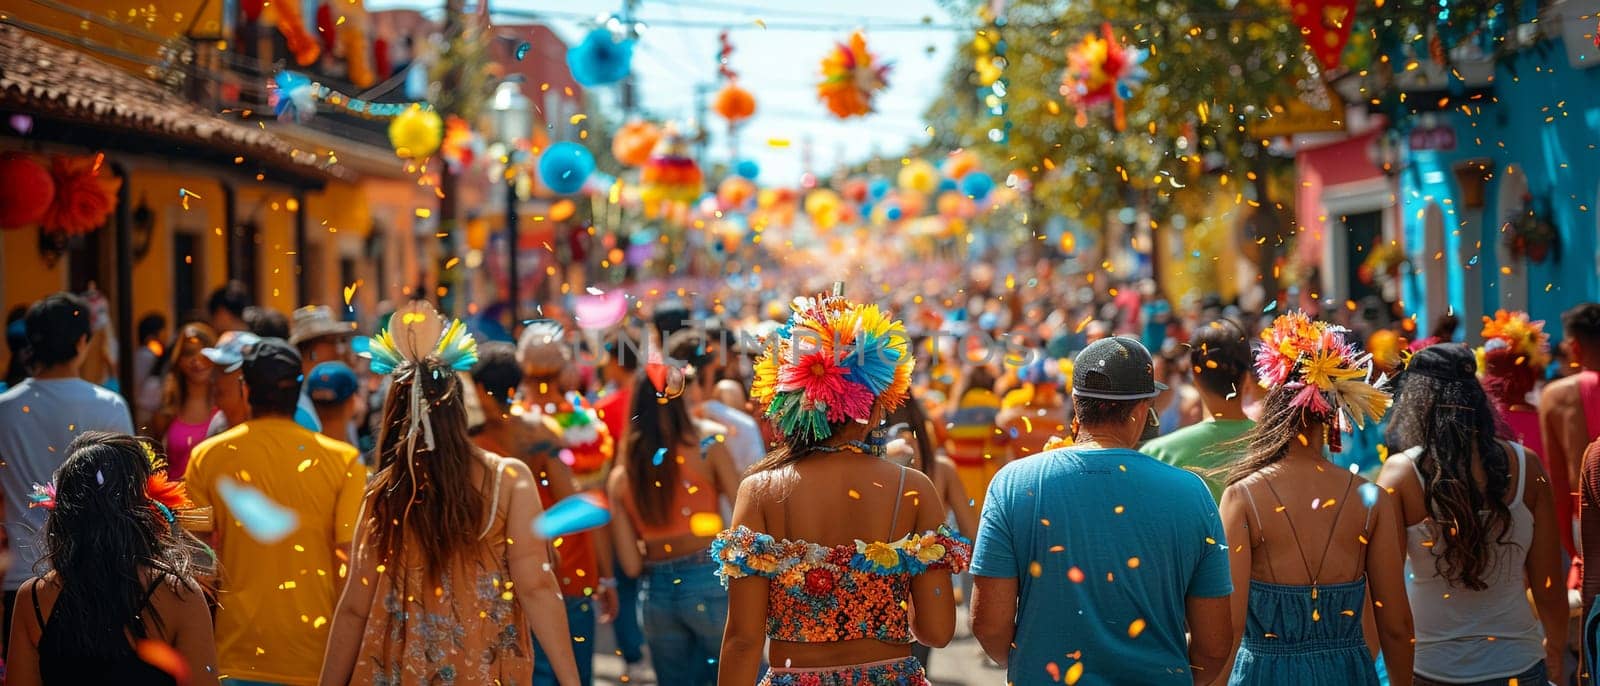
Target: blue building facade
{"x": 1533, "y": 136}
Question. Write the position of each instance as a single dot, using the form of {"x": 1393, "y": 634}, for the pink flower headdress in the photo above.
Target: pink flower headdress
{"x": 1333, "y": 381}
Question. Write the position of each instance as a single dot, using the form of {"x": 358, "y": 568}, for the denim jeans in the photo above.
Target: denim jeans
{"x": 685, "y": 609}
{"x": 1534, "y": 676}
{"x": 630, "y": 638}
{"x": 580, "y": 622}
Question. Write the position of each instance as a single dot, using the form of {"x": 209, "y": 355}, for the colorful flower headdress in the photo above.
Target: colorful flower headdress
{"x": 166, "y": 497}
{"x": 416, "y": 333}
{"x": 1514, "y": 331}
{"x": 829, "y": 364}
{"x": 1333, "y": 380}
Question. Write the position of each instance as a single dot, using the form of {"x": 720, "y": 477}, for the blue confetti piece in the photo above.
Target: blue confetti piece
{"x": 573, "y": 514}
{"x": 522, "y": 51}
{"x": 263, "y": 519}
{"x": 1270, "y": 307}
{"x": 1369, "y": 494}
{"x": 661, "y": 454}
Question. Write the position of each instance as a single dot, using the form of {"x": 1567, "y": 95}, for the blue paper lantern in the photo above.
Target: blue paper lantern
{"x": 878, "y": 188}
{"x": 893, "y": 213}
{"x": 945, "y": 184}
{"x": 600, "y": 59}
{"x": 565, "y": 166}
{"x": 747, "y": 169}
{"x": 977, "y": 184}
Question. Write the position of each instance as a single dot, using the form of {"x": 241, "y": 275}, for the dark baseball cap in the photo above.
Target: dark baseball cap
{"x": 272, "y": 362}
{"x": 331, "y": 382}
{"x": 1115, "y": 368}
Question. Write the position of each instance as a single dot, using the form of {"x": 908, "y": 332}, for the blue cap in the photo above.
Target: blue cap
{"x": 331, "y": 382}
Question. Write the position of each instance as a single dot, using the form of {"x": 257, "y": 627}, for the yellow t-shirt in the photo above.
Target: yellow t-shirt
{"x": 277, "y": 600}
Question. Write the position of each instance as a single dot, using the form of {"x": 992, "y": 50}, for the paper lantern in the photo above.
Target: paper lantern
{"x": 949, "y": 204}
{"x": 251, "y": 9}
{"x": 26, "y": 190}
{"x": 734, "y": 104}
{"x": 878, "y": 188}
{"x": 600, "y": 58}
{"x": 416, "y": 133}
{"x": 633, "y": 142}
{"x": 851, "y": 78}
{"x": 358, "y": 55}
{"x": 822, "y": 206}
{"x": 83, "y": 198}
{"x": 671, "y": 175}
{"x": 977, "y": 185}
{"x": 855, "y": 190}
{"x": 291, "y": 97}
{"x": 912, "y": 204}
{"x": 748, "y": 169}
{"x": 919, "y": 176}
{"x": 958, "y": 164}
{"x": 565, "y": 166}
{"x": 735, "y": 192}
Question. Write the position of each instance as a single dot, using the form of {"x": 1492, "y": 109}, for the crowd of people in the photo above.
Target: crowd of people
{"x": 746, "y": 486}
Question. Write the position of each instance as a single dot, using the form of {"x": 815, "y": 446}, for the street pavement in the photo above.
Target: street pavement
{"x": 958, "y": 664}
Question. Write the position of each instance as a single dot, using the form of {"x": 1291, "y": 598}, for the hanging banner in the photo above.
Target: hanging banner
{"x": 1326, "y": 26}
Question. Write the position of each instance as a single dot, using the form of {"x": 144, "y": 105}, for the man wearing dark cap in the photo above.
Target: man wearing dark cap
{"x": 284, "y": 505}
{"x": 1095, "y": 558}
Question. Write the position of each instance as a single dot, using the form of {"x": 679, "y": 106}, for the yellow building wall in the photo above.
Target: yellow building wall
{"x": 153, "y": 276}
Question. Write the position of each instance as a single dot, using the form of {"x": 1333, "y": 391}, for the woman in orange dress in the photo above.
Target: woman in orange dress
{"x": 442, "y": 589}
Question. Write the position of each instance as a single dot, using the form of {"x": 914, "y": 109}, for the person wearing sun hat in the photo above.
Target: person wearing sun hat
{"x": 1137, "y": 546}
{"x": 850, "y": 612}
{"x": 1305, "y": 577}
{"x": 319, "y": 338}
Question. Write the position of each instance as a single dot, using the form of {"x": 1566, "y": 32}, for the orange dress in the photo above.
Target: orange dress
{"x": 466, "y": 628}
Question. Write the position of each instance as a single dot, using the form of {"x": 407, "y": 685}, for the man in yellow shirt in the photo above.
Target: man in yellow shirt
{"x": 284, "y": 506}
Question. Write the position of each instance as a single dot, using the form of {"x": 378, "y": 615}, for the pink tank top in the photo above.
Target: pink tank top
{"x": 182, "y": 437}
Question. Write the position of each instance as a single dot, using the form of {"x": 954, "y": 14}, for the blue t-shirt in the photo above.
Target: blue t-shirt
{"x": 1099, "y": 540}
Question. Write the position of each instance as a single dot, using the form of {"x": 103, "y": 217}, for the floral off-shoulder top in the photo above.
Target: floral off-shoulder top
{"x": 820, "y": 594}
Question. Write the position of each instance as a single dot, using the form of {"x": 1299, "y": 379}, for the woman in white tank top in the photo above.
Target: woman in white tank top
{"x": 1480, "y": 532}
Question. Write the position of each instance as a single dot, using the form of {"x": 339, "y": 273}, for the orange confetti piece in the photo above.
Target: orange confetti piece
{"x": 1137, "y": 627}
{"x": 1075, "y": 575}
{"x": 163, "y": 657}
{"x": 1074, "y": 673}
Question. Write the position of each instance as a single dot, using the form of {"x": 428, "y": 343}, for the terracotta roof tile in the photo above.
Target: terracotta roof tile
{"x": 45, "y": 78}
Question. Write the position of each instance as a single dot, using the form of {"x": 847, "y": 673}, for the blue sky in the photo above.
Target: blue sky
{"x": 777, "y": 63}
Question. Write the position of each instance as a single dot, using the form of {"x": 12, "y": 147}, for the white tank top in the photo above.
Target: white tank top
{"x": 1465, "y": 635}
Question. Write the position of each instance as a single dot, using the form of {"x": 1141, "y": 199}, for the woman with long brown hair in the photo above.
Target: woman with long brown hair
{"x": 187, "y": 405}
{"x": 669, "y": 488}
{"x": 442, "y": 585}
{"x": 1311, "y": 543}
{"x": 1481, "y": 531}
{"x": 840, "y": 558}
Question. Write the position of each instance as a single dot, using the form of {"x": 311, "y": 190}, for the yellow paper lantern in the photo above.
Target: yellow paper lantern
{"x": 919, "y": 176}
{"x": 416, "y": 133}
{"x": 822, "y": 205}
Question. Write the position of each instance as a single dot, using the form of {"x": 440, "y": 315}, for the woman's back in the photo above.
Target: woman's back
{"x": 1463, "y": 633}
{"x": 466, "y": 622}
{"x": 120, "y": 661}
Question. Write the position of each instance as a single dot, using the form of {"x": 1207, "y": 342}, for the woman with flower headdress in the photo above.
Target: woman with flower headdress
{"x": 1511, "y": 362}
{"x": 839, "y": 557}
{"x": 1481, "y": 531}
{"x": 669, "y": 488}
{"x": 443, "y": 586}
{"x": 1312, "y": 543}
{"x": 123, "y": 603}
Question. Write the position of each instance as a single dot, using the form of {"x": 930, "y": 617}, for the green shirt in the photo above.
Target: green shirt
{"x": 1201, "y": 448}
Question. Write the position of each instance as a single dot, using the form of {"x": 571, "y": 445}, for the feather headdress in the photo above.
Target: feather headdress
{"x": 417, "y": 333}
{"x": 1333, "y": 381}
{"x": 829, "y": 364}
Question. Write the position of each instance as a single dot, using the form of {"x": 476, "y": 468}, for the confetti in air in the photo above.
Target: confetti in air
{"x": 522, "y": 51}
{"x": 163, "y": 657}
{"x": 573, "y": 514}
{"x": 263, "y": 519}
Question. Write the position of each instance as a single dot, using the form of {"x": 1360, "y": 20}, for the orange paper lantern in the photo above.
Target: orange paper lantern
{"x": 634, "y": 142}
{"x": 734, "y": 104}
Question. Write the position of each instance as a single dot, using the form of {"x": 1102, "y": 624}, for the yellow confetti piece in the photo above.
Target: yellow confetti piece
{"x": 350, "y": 291}
{"x": 778, "y": 142}
{"x": 854, "y": 494}
{"x": 1035, "y": 569}
{"x": 1137, "y": 627}
{"x": 304, "y": 465}
{"x": 1074, "y": 673}
{"x": 761, "y": 23}
{"x": 577, "y": 118}
{"x": 705, "y": 523}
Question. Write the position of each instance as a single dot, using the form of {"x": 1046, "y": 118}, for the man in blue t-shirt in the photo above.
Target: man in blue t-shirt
{"x": 1093, "y": 560}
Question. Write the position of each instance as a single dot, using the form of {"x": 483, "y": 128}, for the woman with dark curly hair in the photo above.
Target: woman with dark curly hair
{"x": 123, "y": 587}
{"x": 1480, "y": 532}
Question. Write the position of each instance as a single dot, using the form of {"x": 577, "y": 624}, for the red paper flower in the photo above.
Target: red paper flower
{"x": 169, "y": 493}
{"x": 84, "y": 199}
{"x": 819, "y": 582}
{"x": 26, "y": 191}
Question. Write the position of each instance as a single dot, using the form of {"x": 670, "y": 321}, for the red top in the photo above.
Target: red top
{"x": 576, "y": 569}
{"x": 693, "y": 494}
{"x": 613, "y": 409}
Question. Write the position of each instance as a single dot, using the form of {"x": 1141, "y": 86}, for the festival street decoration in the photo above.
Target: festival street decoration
{"x": 851, "y": 78}
{"x": 1100, "y": 72}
